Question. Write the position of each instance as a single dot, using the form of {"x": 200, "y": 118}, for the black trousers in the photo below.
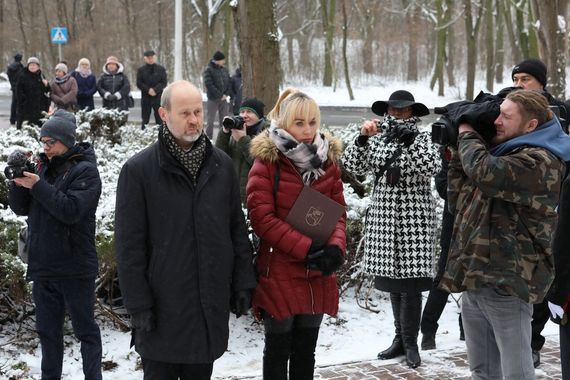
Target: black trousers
{"x": 13, "y": 109}
{"x": 155, "y": 370}
{"x": 149, "y": 103}
{"x": 540, "y": 315}
{"x": 52, "y": 298}
{"x": 565, "y": 350}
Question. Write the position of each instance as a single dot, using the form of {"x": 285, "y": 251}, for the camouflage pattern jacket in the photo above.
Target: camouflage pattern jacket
{"x": 505, "y": 216}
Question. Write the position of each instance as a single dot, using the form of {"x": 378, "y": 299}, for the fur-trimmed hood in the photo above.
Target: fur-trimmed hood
{"x": 264, "y": 149}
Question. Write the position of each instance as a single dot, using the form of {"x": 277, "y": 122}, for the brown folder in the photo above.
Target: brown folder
{"x": 314, "y": 214}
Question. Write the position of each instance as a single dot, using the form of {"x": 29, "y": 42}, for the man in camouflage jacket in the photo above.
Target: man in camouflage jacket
{"x": 504, "y": 200}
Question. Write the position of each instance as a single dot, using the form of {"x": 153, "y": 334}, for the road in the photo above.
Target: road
{"x": 330, "y": 116}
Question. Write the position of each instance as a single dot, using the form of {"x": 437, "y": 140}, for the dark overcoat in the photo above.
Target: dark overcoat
{"x": 114, "y": 83}
{"x": 181, "y": 251}
{"x": 61, "y": 215}
{"x": 31, "y": 97}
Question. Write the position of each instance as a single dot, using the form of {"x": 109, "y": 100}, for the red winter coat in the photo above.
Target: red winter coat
{"x": 285, "y": 286}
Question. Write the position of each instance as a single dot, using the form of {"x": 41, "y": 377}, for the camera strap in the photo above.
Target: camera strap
{"x": 386, "y": 166}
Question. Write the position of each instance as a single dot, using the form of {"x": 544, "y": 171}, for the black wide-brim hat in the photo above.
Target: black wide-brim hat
{"x": 400, "y": 99}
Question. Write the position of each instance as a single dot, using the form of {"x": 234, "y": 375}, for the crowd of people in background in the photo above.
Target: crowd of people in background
{"x": 184, "y": 257}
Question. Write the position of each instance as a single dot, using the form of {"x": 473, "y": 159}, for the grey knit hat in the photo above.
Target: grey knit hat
{"x": 33, "y": 60}
{"x": 60, "y": 126}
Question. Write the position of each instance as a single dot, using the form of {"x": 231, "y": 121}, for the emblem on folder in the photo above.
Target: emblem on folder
{"x": 314, "y": 216}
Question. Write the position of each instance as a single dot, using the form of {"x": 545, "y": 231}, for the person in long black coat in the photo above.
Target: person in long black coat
{"x": 114, "y": 86}
{"x": 151, "y": 80}
{"x": 181, "y": 243}
{"x": 13, "y": 71}
{"x": 60, "y": 202}
{"x": 32, "y": 96}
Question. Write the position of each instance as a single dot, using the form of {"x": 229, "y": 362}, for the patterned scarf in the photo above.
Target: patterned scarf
{"x": 309, "y": 159}
{"x": 191, "y": 159}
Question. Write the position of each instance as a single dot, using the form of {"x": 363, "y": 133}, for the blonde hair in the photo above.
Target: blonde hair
{"x": 293, "y": 104}
{"x": 532, "y": 105}
{"x": 84, "y": 60}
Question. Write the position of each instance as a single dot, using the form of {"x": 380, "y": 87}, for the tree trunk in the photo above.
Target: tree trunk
{"x": 522, "y": 29}
{"x": 227, "y": 33}
{"x": 22, "y": 26}
{"x": 532, "y": 35}
{"x": 557, "y": 45}
{"x": 499, "y": 44}
{"x": 259, "y": 49}
{"x": 328, "y": 10}
{"x": 471, "y": 32}
{"x": 489, "y": 48}
{"x": 412, "y": 18}
{"x": 450, "y": 60}
{"x": 437, "y": 76}
{"x": 344, "y": 58}
{"x": 52, "y": 49}
{"x": 515, "y": 46}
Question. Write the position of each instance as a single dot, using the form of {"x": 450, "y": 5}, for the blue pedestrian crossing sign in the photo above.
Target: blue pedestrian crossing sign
{"x": 59, "y": 35}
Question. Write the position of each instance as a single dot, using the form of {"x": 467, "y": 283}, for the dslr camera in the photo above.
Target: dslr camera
{"x": 18, "y": 163}
{"x": 233, "y": 122}
{"x": 394, "y": 131}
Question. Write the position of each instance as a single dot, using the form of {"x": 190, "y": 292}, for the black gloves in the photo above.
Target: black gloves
{"x": 111, "y": 98}
{"x": 143, "y": 321}
{"x": 327, "y": 260}
{"x": 240, "y": 302}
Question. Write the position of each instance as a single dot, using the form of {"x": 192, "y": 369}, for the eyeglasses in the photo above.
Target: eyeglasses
{"x": 50, "y": 142}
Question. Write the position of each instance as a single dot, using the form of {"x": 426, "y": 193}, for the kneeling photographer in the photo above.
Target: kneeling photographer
{"x": 504, "y": 193}
{"x": 236, "y": 134}
{"x": 400, "y": 223}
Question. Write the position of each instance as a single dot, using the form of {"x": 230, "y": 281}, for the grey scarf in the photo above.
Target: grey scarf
{"x": 309, "y": 159}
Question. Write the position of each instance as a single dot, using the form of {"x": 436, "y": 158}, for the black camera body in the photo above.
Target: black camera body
{"x": 233, "y": 122}
{"x": 394, "y": 131}
{"x": 18, "y": 163}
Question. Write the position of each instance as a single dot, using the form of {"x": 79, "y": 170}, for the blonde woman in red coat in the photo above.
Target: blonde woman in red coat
{"x": 297, "y": 284}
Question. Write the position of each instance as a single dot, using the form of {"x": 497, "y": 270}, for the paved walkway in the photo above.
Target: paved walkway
{"x": 437, "y": 365}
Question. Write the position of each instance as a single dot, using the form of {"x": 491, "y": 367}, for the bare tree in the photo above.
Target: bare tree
{"x": 412, "y": 19}
{"x": 344, "y": 58}
{"x": 259, "y": 49}
{"x": 328, "y": 10}
{"x": 471, "y": 32}
{"x": 553, "y": 33}
{"x": 489, "y": 45}
{"x": 499, "y": 42}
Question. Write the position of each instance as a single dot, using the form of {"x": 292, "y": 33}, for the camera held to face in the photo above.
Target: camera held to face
{"x": 233, "y": 122}
{"x": 18, "y": 163}
{"x": 397, "y": 132}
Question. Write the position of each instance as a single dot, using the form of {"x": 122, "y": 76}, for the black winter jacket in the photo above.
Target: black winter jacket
{"x": 181, "y": 250}
{"x": 216, "y": 81}
{"x": 14, "y": 69}
{"x": 113, "y": 84}
{"x": 560, "y": 289}
{"x": 151, "y": 76}
{"x": 32, "y": 97}
{"x": 61, "y": 215}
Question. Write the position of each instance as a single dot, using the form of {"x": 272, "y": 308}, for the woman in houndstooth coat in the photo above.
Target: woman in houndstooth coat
{"x": 400, "y": 225}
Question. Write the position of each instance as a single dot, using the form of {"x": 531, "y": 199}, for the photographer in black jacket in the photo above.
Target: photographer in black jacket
{"x": 151, "y": 80}
{"x": 60, "y": 202}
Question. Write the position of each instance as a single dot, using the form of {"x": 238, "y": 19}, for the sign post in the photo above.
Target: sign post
{"x": 59, "y": 37}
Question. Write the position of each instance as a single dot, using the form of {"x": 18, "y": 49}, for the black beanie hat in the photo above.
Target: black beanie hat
{"x": 60, "y": 126}
{"x": 18, "y": 57}
{"x": 532, "y": 66}
{"x": 218, "y": 56}
{"x": 254, "y": 105}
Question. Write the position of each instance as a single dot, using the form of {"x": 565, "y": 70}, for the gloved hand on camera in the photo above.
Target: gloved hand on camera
{"x": 143, "y": 321}
{"x": 327, "y": 260}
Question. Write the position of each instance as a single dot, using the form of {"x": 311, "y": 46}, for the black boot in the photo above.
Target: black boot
{"x": 276, "y": 355}
{"x": 302, "y": 360}
{"x": 428, "y": 341}
{"x": 411, "y": 310}
{"x": 397, "y": 347}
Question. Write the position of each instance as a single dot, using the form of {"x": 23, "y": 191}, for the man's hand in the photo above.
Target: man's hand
{"x": 241, "y": 302}
{"x": 28, "y": 180}
{"x": 151, "y": 92}
{"x": 143, "y": 321}
{"x": 370, "y": 128}
{"x": 237, "y": 134}
{"x": 465, "y": 128}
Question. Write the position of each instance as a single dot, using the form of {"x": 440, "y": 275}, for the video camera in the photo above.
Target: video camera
{"x": 481, "y": 114}
{"x": 233, "y": 122}
{"x": 18, "y": 163}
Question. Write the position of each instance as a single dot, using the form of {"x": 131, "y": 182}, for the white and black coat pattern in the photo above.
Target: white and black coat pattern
{"x": 400, "y": 225}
